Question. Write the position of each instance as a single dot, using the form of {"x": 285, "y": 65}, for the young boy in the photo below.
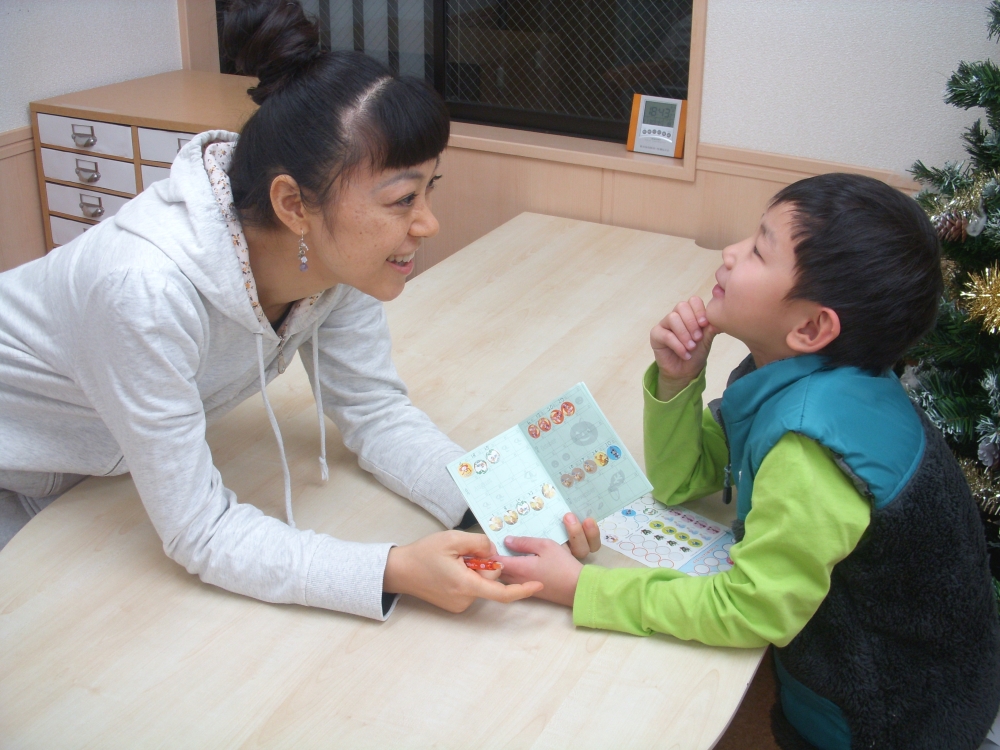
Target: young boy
{"x": 860, "y": 554}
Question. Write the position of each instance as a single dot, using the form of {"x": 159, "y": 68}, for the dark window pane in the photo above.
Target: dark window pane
{"x": 568, "y": 66}
{"x": 581, "y": 59}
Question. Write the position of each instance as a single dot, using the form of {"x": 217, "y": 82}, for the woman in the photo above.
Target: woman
{"x": 117, "y": 349}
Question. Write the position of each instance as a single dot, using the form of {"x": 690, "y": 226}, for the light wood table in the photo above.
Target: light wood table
{"x": 106, "y": 643}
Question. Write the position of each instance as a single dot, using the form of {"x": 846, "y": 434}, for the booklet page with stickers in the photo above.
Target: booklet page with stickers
{"x": 564, "y": 457}
{"x": 660, "y": 536}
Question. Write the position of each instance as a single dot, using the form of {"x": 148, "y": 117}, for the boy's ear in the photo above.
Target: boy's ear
{"x": 813, "y": 333}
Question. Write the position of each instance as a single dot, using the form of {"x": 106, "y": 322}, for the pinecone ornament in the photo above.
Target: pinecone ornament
{"x": 952, "y": 227}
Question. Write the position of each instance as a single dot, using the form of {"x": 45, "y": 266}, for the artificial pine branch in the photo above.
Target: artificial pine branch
{"x": 955, "y": 342}
{"x": 983, "y": 146}
{"x": 974, "y": 85}
{"x": 994, "y": 25}
{"x": 954, "y": 407}
{"x": 946, "y": 180}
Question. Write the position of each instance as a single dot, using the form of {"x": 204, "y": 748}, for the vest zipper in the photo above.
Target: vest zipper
{"x": 727, "y": 474}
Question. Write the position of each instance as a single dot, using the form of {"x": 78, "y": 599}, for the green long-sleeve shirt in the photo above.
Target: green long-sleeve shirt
{"x": 806, "y": 517}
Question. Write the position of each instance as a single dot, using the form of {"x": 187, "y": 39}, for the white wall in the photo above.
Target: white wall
{"x": 853, "y": 81}
{"x": 52, "y": 47}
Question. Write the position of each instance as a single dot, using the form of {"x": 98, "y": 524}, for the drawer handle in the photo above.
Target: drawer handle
{"x": 83, "y": 136}
{"x": 89, "y": 208}
{"x": 87, "y": 171}
{"x": 181, "y": 142}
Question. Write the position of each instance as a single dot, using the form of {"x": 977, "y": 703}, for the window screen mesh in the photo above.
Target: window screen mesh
{"x": 564, "y": 65}
{"x": 583, "y": 58}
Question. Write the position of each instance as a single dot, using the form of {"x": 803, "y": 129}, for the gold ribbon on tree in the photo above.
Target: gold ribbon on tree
{"x": 981, "y": 298}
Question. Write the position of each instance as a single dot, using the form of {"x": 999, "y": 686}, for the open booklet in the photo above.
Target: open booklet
{"x": 565, "y": 457}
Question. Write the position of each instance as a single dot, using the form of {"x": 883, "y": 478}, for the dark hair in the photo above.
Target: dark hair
{"x": 322, "y": 114}
{"x": 869, "y": 252}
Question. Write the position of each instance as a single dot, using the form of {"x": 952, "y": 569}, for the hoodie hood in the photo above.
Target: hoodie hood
{"x": 218, "y": 158}
{"x": 200, "y": 241}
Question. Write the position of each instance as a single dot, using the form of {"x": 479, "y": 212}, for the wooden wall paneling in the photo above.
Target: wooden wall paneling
{"x": 564, "y": 149}
{"x": 22, "y": 231}
{"x": 480, "y": 191}
{"x": 470, "y": 200}
{"x": 199, "y": 35}
{"x": 731, "y": 207}
{"x": 566, "y": 190}
{"x": 731, "y": 160}
{"x": 656, "y": 205}
{"x": 607, "y": 196}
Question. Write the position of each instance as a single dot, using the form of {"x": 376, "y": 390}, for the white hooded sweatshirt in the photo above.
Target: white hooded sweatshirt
{"x": 117, "y": 349}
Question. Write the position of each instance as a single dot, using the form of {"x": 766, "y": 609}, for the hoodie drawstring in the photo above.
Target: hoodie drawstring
{"x": 324, "y": 470}
{"x": 274, "y": 426}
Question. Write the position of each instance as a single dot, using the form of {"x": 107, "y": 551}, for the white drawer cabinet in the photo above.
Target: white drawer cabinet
{"x": 89, "y": 169}
{"x": 64, "y": 230}
{"x": 96, "y": 149}
{"x": 86, "y": 135}
{"x": 84, "y": 204}
{"x": 151, "y": 174}
{"x": 161, "y": 145}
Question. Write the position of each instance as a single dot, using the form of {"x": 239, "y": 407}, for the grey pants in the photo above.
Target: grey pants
{"x": 25, "y": 494}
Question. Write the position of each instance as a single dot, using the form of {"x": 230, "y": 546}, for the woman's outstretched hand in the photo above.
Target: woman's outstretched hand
{"x": 433, "y": 569}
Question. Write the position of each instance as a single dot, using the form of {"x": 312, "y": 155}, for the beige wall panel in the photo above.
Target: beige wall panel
{"x": 731, "y": 207}
{"x": 556, "y": 189}
{"x": 22, "y": 237}
{"x": 480, "y": 191}
{"x": 471, "y": 199}
{"x": 656, "y": 205}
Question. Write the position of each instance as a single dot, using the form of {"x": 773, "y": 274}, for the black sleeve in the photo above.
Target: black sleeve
{"x": 468, "y": 521}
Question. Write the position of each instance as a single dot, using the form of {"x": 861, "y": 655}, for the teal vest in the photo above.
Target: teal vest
{"x": 867, "y": 421}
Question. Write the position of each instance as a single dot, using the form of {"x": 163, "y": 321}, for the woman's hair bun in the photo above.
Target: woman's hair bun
{"x": 270, "y": 39}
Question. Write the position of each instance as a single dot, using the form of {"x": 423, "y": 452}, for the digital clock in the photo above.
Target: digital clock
{"x": 657, "y": 126}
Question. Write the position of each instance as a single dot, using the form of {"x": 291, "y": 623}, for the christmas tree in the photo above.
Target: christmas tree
{"x": 955, "y": 371}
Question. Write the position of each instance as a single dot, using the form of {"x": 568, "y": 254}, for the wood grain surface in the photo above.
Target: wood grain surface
{"x": 106, "y": 643}
{"x": 188, "y": 100}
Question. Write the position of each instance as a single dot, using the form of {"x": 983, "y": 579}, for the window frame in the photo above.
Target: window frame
{"x": 504, "y": 138}
{"x": 573, "y": 126}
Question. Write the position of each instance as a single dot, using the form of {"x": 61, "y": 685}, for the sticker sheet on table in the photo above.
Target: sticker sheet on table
{"x": 668, "y": 537}
{"x": 565, "y": 457}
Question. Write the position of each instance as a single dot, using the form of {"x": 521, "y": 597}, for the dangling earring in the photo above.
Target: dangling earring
{"x": 303, "y": 249}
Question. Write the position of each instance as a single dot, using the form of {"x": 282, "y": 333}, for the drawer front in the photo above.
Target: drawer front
{"x": 64, "y": 230}
{"x": 86, "y": 135}
{"x": 89, "y": 170}
{"x": 83, "y": 203}
{"x": 152, "y": 174}
{"x": 161, "y": 145}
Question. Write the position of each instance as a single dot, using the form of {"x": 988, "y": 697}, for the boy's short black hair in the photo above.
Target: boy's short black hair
{"x": 870, "y": 253}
